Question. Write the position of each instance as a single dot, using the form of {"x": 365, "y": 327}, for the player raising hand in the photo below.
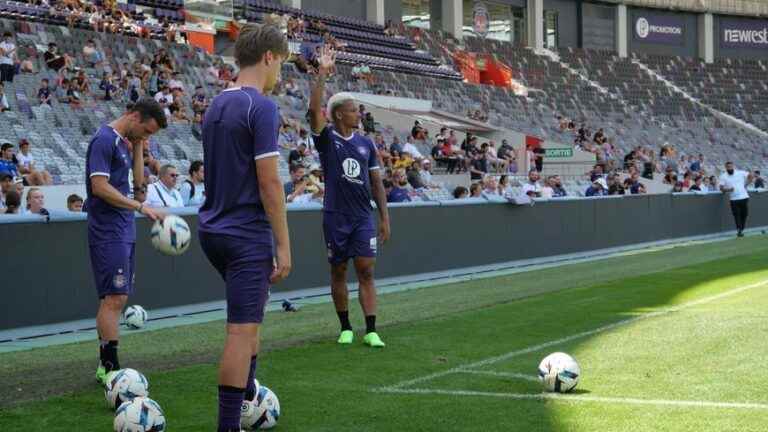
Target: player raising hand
{"x": 352, "y": 178}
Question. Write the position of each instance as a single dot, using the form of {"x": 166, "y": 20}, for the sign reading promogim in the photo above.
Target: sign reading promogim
{"x": 653, "y": 28}
{"x": 743, "y": 33}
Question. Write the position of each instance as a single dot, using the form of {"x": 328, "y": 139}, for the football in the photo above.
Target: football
{"x": 171, "y": 236}
{"x": 125, "y": 385}
{"x": 141, "y": 414}
{"x": 135, "y": 317}
{"x": 559, "y": 372}
{"x": 261, "y": 413}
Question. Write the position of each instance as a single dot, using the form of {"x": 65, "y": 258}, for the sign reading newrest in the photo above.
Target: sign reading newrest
{"x": 658, "y": 28}
{"x": 743, "y": 33}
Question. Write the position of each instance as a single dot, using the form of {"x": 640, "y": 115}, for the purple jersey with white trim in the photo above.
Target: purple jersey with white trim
{"x": 239, "y": 127}
{"x": 108, "y": 155}
{"x": 346, "y": 165}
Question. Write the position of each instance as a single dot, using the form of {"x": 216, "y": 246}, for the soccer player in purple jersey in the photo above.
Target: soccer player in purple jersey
{"x": 352, "y": 177}
{"x": 116, "y": 149}
{"x": 244, "y": 207}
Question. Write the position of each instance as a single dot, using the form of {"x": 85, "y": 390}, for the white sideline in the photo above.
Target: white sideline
{"x": 500, "y": 374}
{"x": 535, "y": 348}
{"x": 583, "y": 398}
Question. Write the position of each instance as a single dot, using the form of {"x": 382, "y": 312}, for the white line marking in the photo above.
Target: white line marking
{"x": 582, "y": 398}
{"x": 500, "y": 374}
{"x": 535, "y": 348}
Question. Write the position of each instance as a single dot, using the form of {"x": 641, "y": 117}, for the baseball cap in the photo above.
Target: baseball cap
{"x": 4, "y": 176}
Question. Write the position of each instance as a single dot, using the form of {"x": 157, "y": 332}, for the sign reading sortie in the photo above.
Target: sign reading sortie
{"x": 653, "y": 28}
{"x": 743, "y": 33}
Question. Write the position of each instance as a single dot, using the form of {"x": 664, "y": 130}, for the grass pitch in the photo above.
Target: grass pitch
{"x": 671, "y": 340}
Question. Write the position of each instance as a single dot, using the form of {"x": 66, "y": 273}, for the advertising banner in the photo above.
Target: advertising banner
{"x": 743, "y": 33}
{"x": 661, "y": 29}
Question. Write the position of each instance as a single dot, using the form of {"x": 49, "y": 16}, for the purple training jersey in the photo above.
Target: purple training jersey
{"x": 347, "y": 162}
{"x": 239, "y": 127}
{"x": 108, "y": 156}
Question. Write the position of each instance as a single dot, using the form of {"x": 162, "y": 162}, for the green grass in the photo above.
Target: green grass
{"x": 710, "y": 352}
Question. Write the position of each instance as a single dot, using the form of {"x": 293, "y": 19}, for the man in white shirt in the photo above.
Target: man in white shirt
{"x": 165, "y": 99}
{"x": 734, "y": 182}
{"x": 163, "y": 193}
{"x": 175, "y": 82}
{"x": 411, "y": 149}
{"x": 193, "y": 188}
{"x": 7, "y": 57}
{"x": 531, "y": 189}
{"x": 26, "y": 166}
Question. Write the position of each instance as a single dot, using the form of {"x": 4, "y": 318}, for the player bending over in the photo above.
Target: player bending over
{"x": 245, "y": 207}
{"x": 352, "y": 176}
{"x": 116, "y": 149}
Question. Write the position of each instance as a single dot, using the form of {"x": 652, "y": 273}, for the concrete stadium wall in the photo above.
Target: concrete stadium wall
{"x": 48, "y": 278}
{"x": 688, "y": 46}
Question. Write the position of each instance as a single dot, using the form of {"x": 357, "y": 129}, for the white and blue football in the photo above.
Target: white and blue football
{"x": 135, "y": 317}
{"x": 171, "y": 236}
{"x": 125, "y": 385}
{"x": 261, "y": 413}
{"x": 559, "y": 373}
{"x": 141, "y": 414}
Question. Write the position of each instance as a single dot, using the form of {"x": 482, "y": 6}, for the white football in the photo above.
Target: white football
{"x": 139, "y": 415}
{"x": 125, "y": 385}
{"x": 559, "y": 372}
{"x": 261, "y": 413}
{"x": 135, "y": 317}
{"x": 171, "y": 235}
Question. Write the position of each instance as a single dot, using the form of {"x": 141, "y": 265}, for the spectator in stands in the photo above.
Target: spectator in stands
{"x": 531, "y": 188}
{"x": 299, "y": 156}
{"x": 759, "y": 182}
{"x": 107, "y": 85}
{"x": 197, "y": 126}
{"x": 6, "y": 185}
{"x": 615, "y": 186}
{"x": 7, "y": 163}
{"x": 712, "y": 184}
{"x": 698, "y": 184}
{"x": 44, "y": 93}
{"x": 306, "y": 139}
{"x": 596, "y": 173}
{"x": 410, "y": 145}
{"x": 557, "y": 187}
{"x": 599, "y": 187}
{"x": 26, "y": 65}
{"x": 426, "y": 174}
{"x": 413, "y": 175}
{"x": 4, "y": 105}
{"x": 698, "y": 164}
{"x": 75, "y": 203}
{"x": 8, "y": 58}
{"x": 72, "y": 96}
{"x": 547, "y": 191}
{"x": 398, "y": 192}
{"x": 476, "y": 190}
{"x": 163, "y": 193}
{"x": 677, "y": 187}
{"x": 12, "y": 202}
{"x": 26, "y": 166}
{"x": 395, "y": 146}
{"x": 193, "y": 189}
{"x": 369, "y": 124}
{"x": 460, "y": 192}
{"x": 35, "y": 202}
{"x": 298, "y": 183}
{"x": 479, "y": 166}
{"x": 80, "y": 83}
{"x": 499, "y": 164}
{"x": 199, "y": 100}
{"x": 490, "y": 187}
{"x": 165, "y": 99}
{"x": 402, "y": 161}
{"x": 93, "y": 57}
{"x": 175, "y": 83}
{"x": 361, "y": 71}
{"x": 180, "y": 115}
{"x": 687, "y": 177}
{"x": 599, "y": 137}
{"x": 55, "y": 61}
{"x": 635, "y": 186}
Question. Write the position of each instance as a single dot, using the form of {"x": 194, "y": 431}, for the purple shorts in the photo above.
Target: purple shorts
{"x": 349, "y": 237}
{"x": 113, "y": 267}
{"x": 245, "y": 272}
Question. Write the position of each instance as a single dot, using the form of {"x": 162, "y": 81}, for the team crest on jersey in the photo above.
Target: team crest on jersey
{"x": 351, "y": 170}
